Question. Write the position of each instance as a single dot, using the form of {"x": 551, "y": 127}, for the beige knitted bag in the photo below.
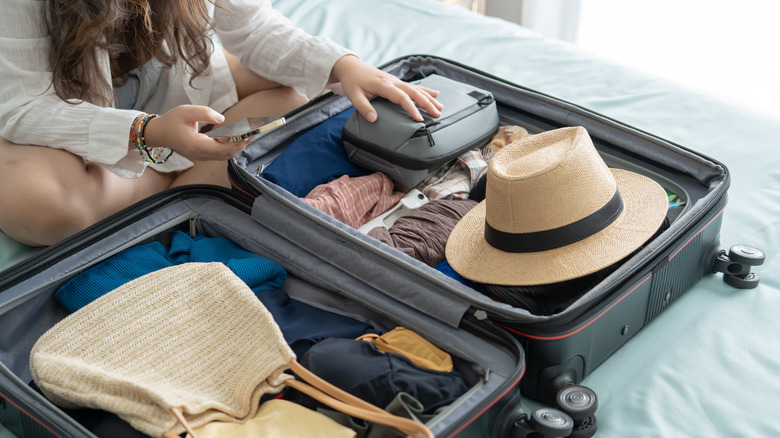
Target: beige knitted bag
{"x": 176, "y": 349}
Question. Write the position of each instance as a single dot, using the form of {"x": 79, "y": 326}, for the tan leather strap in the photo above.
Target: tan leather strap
{"x": 179, "y": 416}
{"x": 334, "y": 393}
{"x": 367, "y": 337}
{"x": 405, "y": 425}
{"x": 330, "y": 389}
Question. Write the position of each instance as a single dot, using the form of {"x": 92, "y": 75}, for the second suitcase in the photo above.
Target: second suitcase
{"x": 322, "y": 272}
{"x": 564, "y": 347}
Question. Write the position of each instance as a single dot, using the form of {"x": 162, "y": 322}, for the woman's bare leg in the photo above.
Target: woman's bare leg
{"x": 48, "y": 194}
{"x": 258, "y": 97}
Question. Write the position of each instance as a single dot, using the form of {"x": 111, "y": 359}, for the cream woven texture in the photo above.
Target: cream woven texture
{"x": 192, "y": 336}
{"x": 542, "y": 182}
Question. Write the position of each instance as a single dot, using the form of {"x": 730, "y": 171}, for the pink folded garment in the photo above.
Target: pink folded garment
{"x": 355, "y": 201}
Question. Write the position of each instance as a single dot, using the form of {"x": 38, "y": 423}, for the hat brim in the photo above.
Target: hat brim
{"x": 645, "y": 206}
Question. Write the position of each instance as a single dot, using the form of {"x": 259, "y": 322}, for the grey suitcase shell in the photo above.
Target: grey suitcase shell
{"x": 561, "y": 349}
{"x": 323, "y": 270}
{"x": 408, "y": 151}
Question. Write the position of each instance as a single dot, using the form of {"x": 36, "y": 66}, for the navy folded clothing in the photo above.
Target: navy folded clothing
{"x": 316, "y": 157}
{"x": 360, "y": 369}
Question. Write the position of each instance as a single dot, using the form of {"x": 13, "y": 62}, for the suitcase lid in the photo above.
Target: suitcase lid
{"x": 698, "y": 178}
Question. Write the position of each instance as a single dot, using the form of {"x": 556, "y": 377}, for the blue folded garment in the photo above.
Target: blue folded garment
{"x": 302, "y": 325}
{"x": 316, "y": 157}
{"x": 445, "y": 268}
{"x": 258, "y": 272}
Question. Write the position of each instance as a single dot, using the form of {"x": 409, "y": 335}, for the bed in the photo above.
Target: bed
{"x": 707, "y": 366}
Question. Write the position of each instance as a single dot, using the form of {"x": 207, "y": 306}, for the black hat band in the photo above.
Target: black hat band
{"x": 556, "y": 237}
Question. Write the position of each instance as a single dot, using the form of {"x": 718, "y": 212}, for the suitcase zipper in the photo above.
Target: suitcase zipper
{"x": 432, "y": 125}
{"x": 195, "y": 226}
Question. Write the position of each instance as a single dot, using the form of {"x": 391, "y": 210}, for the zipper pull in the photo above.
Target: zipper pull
{"x": 430, "y": 136}
{"x": 482, "y": 98}
{"x": 195, "y": 227}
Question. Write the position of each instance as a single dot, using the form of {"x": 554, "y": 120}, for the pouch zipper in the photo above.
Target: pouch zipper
{"x": 432, "y": 125}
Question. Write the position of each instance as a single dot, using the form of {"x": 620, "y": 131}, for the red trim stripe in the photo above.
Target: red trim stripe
{"x": 460, "y": 429}
{"x": 554, "y": 338}
{"x": 566, "y": 335}
{"x": 32, "y": 417}
{"x": 239, "y": 188}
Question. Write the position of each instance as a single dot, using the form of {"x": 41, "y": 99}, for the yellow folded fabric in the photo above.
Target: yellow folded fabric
{"x": 278, "y": 419}
{"x": 408, "y": 343}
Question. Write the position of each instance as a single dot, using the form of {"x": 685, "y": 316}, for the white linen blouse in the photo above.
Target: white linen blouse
{"x": 32, "y": 114}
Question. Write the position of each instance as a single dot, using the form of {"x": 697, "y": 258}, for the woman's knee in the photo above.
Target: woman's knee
{"x": 267, "y": 103}
{"x": 41, "y": 194}
{"x": 38, "y": 209}
{"x": 247, "y": 82}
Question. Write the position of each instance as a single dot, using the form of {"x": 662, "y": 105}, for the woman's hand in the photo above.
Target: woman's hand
{"x": 360, "y": 82}
{"x": 178, "y": 129}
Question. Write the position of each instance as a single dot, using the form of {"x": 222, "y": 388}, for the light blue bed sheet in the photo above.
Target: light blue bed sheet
{"x": 710, "y": 364}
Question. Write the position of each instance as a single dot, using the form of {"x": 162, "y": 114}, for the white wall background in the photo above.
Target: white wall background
{"x": 723, "y": 47}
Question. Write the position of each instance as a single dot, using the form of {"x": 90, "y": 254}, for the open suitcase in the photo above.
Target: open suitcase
{"x": 324, "y": 269}
{"x": 563, "y": 348}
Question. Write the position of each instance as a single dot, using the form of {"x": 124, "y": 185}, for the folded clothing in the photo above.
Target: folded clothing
{"x": 355, "y": 201}
{"x": 278, "y": 419}
{"x": 316, "y": 157}
{"x": 359, "y": 368}
{"x": 303, "y": 325}
{"x": 423, "y": 232}
{"x": 258, "y": 272}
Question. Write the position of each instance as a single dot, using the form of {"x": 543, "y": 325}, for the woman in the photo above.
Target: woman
{"x": 86, "y": 79}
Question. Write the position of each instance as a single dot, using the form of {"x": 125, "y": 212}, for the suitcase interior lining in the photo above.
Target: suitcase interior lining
{"x": 698, "y": 180}
{"x": 30, "y": 315}
{"x": 678, "y": 170}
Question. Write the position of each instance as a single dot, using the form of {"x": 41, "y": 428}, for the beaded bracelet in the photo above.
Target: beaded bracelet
{"x": 137, "y": 137}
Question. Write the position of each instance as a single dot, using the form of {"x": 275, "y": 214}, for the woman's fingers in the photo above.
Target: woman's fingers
{"x": 178, "y": 130}
{"x": 424, "y": 98}
{"x": 363, "y": 106}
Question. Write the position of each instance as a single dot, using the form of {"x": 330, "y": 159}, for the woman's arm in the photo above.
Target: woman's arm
{"x": 271, "y": 46}
{"x": 268, "y": 44}
{"x": 30, "y": 111}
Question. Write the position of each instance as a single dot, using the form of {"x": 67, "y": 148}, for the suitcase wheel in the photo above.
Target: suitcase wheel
{"x": 550, "y": 423}
{"x": 584, "y": 428}
{"x": 736, "y": 264}
{"x": 748, "y": 281}
{"x": 580, "y": 403}
{"x": 542, "y": 423}
{"x": 577, "y": 401}
{"x": 746, "y": 255}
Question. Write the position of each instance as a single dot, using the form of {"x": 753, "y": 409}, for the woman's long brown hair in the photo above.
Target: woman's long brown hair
{"x": 131, "y": 31}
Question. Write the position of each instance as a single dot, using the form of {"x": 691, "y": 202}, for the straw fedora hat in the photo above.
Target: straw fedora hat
{"x": 554, "y": 211}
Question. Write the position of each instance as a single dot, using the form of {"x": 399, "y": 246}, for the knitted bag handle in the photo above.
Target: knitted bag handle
{"x": 325, "y": 392}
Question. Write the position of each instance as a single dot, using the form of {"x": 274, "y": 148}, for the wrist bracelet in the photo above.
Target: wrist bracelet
{"x": 137, "y": 131}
